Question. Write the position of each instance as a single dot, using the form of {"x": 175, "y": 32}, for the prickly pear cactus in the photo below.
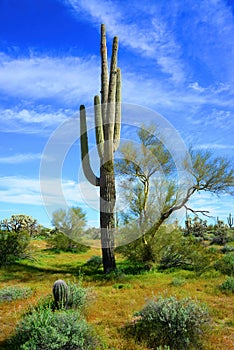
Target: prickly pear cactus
{"x": 60, "y": 293}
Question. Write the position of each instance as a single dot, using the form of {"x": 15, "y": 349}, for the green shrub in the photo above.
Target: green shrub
{"x": 77, "y": 296}
{"x": 44, "y": 329}
{"x": 13, "y": 246}
{"x": 177, "y": 282}
{"x": 227, "y": 249}
{"x": 14, "y": 292}
{"x": 60, "y": 242}
{"x": 228, "y": 285}
{"x": 226, "y": 264}
{"x": 94, "y": 262}
{"x": 170, "y": 250}
{"x": 121, "y": 285}
{"x": 178, "y": 324}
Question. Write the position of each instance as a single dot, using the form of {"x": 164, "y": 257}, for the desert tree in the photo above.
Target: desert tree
{"x": 21, "y": 222}
{"x": 69, "y": 225}
{"x": 150, "y": 185}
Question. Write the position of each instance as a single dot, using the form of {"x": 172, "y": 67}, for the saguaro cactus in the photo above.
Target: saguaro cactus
{"x": 107, "y": 125}
{"x": 230, "y": 220}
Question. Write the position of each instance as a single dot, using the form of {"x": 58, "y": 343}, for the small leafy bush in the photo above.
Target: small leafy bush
{"x": 94, "y": 262}
{"x": 121, "y": 286}
{"x": 13, "y": 246}
{"x": 178, "y": 324}
{"x": 177, "y": 282}
{"x": 115, "y": 275}
{"x": 227, "y": 249}
{"x": 14, "y": 292}
{"x": 77, "y": 296}
{"x": 60, "y": 242}
{"x": 226, "y": 264}
{"x": 44, "y": 329}
{"x": 228, "y": 285}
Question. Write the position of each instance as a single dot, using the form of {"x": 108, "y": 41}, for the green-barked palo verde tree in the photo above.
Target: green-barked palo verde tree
{"x": 107, "y": 126}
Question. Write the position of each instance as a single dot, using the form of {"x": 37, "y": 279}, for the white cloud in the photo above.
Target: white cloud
{"x": 67, "y": 79}
{"x": 34, "y": 120}
{"x": 217, "y": 118}
{"x": 20, "y": 158}
{"x": 217, "y": 206}
{"x": 22, "y": 190}
{"x": 196, "y": 87}
{"x": 55, "y": 192}
{"x": 217, "y": 146}
{"x": 151, "y": 39}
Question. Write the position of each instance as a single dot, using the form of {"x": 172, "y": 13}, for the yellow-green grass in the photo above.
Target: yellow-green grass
{"x": 115, "y": 300}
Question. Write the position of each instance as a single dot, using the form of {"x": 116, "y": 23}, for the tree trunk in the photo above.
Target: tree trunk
{"x": 107, "y": 215}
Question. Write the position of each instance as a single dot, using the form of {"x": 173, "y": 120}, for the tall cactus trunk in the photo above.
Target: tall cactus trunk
{"x": 107, "y": 122}
{"x": 107, "y": 217}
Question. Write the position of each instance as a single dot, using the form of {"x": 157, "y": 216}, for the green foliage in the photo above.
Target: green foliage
{"x": 177, "y": 282}
{"x": 94, "y": 262}
{"x": 115, "y": 275}
{"x": 121, "y": 285}
{"x": 178, "y": 324}
{"x": 170, "y": 249}
{"x": 14, "y": 292}
{"x": 60, "y": 242}
{"x": 77, "y": 296}
{"x": 226, "y": 264}
{"x": 13, "y": 246}
{"x": 44, "y": 329}
{"x": 227, "y": 249}
{"x": 21, "y": 222}
{"x": 69, "y": 226}
{"x": 228, "y": 285}
{"x": 68, "y": 296}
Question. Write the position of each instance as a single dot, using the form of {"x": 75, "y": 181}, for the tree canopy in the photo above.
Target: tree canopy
{"x": 150, "y": 184}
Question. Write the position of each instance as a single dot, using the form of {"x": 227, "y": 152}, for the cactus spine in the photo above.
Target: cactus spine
{"x": 107, "y": 128}
{"x": 60, "y": 293}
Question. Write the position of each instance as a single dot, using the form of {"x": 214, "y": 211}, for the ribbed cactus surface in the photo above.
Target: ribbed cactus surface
{"x": 107, "y": 126}
{"x": 60, "y": 293}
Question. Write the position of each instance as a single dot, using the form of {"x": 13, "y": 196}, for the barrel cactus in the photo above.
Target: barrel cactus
{"x": 60, "y": 293}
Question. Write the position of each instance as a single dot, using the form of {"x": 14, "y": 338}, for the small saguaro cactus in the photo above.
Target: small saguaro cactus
{"x": 60, "y": 293}
{"x": 230, "y": 220}
{"x": 107, "y": 127}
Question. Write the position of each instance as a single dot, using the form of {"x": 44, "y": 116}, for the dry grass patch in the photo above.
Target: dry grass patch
{"x": 115, "y": 300}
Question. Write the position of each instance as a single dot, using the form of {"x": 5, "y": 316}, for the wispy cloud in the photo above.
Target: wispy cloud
{"x": 216, "y": 206}
{"x": 20, "y": 158}
{"x": 217, "y": 118}
{"x": 18, "y": 189}
{"x": 34, "y": 120}
{"x": 151, "y": 38}
{"x": 65, "y": 80}
{"x": 215, "y": 146}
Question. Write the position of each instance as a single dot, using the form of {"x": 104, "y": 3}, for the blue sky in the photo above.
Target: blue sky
{"x": 176, "y": 58}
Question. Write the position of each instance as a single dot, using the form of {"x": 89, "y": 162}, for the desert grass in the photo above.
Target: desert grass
{"x": 114, "y": 300}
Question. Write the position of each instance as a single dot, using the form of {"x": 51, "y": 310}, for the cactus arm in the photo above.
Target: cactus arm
{"x": 117, "y": 110}
{"x": 104, "y": 72}
{"x": 85, "y": 149}
{"x": 99, "y": 126}
{"x": 112, "y": 92}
